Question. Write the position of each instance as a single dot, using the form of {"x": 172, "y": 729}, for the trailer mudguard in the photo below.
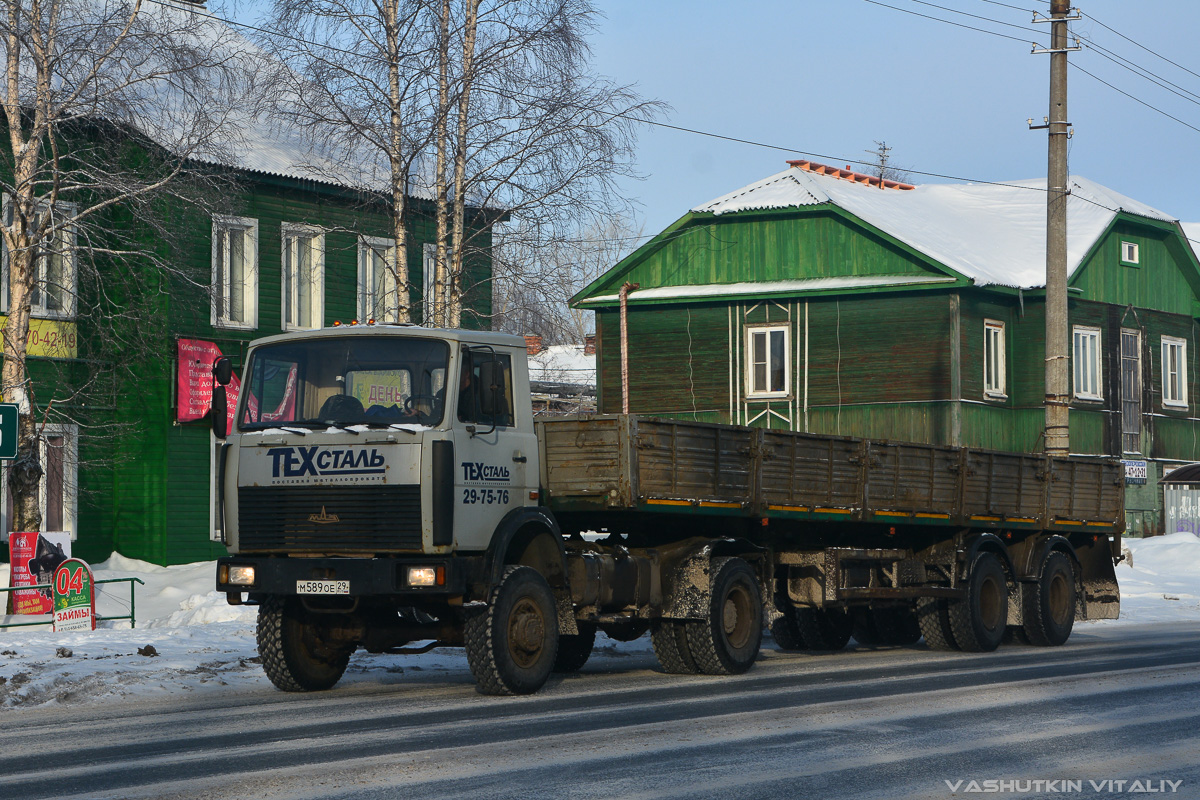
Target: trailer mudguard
{"x": 991, "y": 543}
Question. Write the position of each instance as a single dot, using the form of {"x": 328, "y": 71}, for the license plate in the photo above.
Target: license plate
{"x": 322, "y": 587}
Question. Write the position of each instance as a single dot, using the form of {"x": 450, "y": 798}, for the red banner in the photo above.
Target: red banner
{"x": 195, "y": 382}
{"x": 34, "y": 558}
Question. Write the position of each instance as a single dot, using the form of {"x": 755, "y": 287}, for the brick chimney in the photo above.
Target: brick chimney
{"x": 533, "y": 344}
{"x": 589, "y": 344}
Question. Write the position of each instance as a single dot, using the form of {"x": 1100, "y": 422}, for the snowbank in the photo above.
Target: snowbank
{"x": 189, "y": 640}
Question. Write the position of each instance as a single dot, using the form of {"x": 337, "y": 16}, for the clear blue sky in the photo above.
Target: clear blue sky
{"x": 829, "y": 77}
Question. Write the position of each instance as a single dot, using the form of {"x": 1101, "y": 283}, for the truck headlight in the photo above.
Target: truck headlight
{"x": 422, "y": 576}
{"x": 241, "y": 575}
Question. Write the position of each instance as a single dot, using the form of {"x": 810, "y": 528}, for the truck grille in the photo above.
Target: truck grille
{"x": 321, "y": 518}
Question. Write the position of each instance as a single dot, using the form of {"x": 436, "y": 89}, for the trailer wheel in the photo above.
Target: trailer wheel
{"x": 512, "y": 644}
{"x": 934, "y": 620}
{"x": 784, "y": 629}
{"x": 575, "y": 649}
{"x": 671, "y": 647}
{"x": 728, "y": 641}
{"x": 824, "y": 628}
{"x": 979, "y": 619}
{"x": 294, "y": 655}
{"x": 1048, "y": 605}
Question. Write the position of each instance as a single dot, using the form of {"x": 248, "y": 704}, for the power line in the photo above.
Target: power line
{"x": 955, "y": 24}
{"x": 1132, "y": 97}
{"x": 1143, "y": 47}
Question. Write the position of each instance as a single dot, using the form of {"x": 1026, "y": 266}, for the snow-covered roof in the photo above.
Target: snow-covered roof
{"x": 990, "y": 233}
{"x": 267, "y": 143}
{"x": 772, "y": 287}
{"x": 563, "y": 363}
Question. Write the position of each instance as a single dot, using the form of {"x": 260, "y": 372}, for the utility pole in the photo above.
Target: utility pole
{"x": 1057, "y": 404}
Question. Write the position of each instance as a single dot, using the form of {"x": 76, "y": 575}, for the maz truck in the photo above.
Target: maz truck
{"x": 385, "y": 485}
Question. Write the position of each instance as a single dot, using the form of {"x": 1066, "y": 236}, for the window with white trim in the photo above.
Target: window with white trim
{"x": 53, "y": 295}
{"x": 235, "y": 272}
{"x": 1086, "y": 360}
{"x": 994, "y": 371}
{"x": 58, "y": 489}
{"x": 768, "y": 372}
{"x": 1174, "y": 372}
{"x": 377, "y": 295}
{"x": 1129, "y": 253}
{"x": 303, "y": 287}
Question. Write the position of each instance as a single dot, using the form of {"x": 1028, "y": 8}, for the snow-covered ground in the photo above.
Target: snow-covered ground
{"x": 189, "y": 640}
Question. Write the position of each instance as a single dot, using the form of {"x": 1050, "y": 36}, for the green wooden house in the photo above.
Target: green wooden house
{"x": 297, "y": 247}
{"x": 823, "y": 300}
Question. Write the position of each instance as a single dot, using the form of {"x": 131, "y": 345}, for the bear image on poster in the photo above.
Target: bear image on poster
{"x": 47, "y": 556}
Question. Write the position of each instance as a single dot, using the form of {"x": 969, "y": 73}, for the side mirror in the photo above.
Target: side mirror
{"x": 223, "y": 370}
{"x": 222, "y": 375}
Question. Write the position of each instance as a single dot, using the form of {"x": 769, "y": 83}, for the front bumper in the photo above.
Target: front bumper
{"x": 367, "y": 577}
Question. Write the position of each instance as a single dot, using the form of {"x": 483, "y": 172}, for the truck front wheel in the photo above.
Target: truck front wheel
{"x": 512, "y": 644}
{"x": 727, "y": 642}
{"x": 294, "y": 654}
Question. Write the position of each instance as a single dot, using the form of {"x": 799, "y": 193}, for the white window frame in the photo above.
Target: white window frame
{"x": 759, "y": 393}
{"x": 249, "y": 287}
{"x": 428, "y": 282}
{"x": 1089, "y": 337}
{"x": 70, "y": 270}
{"x": 70, "y": 434}
{"x": 1130, "y": 252}
{"x": 368, "y": 245}
{"x": 292, "y": 234}
{"x": 995, "y": 381}
{"x": 1179, "y": 397}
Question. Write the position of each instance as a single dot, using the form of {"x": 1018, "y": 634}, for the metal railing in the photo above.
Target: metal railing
{"x": 130, "y": 616}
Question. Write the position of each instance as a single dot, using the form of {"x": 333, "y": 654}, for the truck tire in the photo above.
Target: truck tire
{"x": 784, "y": 629}
{"x": 670, "y": 642}
{"x": 512, "y": 643}
{"x": 979, "y": 620}
{"x": 575, "y": 649}
{"x": 824, "y": 628}
{"x": 727, "y": 642}
{"x": 933, "y": 618}
{"x": 293, "y": 654}
{"x": 1048, "y": 605}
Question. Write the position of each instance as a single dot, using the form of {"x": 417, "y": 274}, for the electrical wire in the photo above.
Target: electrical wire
{"x": 949, "y": 22}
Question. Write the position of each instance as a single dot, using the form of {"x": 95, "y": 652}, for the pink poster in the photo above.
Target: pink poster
{"x": 34, "y": 557}
{"x": 195, "y": 382}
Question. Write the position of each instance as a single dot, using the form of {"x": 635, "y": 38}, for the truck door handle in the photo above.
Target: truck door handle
{"x": 520, "y": 459}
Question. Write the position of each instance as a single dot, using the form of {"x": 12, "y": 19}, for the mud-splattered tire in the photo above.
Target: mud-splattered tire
{"x": 575, "y": 649}
{"x": 293, "y": 654}
{"x": 784, "y": 629}
{"x": 728, "y": 641}
{"x": 824, "y": 628}
{"x": 670, "y": 641}
{"x": 934, "y": 621}
{"x": 512, "y": 643}
{"x": 980, "y": 619}
{"x": 1048, "y": 605}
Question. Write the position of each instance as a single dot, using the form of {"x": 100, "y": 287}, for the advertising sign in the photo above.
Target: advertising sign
{"x": 74, "y": 598}
{"x": 194, "y": 382}
{"x": 34, "y": 557}
{"x": 1135, "y": 472}
{"x": 49, "y": 338}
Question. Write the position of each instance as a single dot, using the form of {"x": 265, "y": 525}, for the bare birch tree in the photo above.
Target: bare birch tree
{"x": 501, "y": 113}
{"x": 106, "y": 104}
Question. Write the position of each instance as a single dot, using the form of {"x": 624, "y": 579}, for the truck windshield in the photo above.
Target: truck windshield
{"x": 352, "y": 381}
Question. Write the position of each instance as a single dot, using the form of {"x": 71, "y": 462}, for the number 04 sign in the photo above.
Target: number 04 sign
{"x": 74, "y": 598}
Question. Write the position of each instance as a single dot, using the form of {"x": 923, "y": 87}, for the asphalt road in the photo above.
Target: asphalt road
{"x": 1116, "y": 704}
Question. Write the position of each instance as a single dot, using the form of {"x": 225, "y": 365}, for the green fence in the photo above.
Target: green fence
{"x": 129, "y": 616}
